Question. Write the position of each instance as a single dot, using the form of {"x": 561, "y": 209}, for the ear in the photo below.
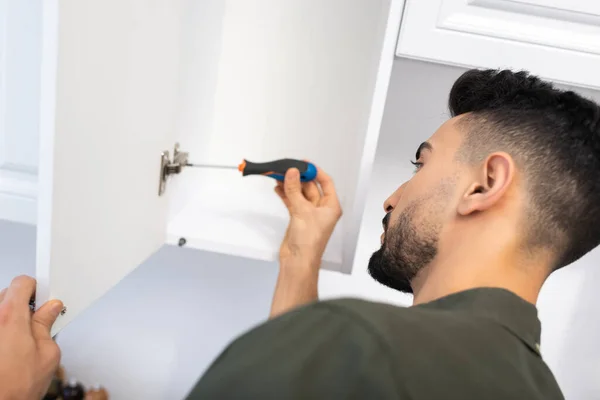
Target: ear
{"x": 492, "y": 181}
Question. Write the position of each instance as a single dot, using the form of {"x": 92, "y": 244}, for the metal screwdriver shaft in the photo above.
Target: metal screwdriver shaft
{"x": 274, "y": 169}
{"x": 212, "y": 166}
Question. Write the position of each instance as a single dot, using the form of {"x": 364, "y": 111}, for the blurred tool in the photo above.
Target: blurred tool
{"x": 73, "y": 390}
{"x": 274, "y": 169}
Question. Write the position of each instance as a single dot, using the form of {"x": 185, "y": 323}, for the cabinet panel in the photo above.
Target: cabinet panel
{"x": 108, "y": 98}
{"x": 557, "y": 39}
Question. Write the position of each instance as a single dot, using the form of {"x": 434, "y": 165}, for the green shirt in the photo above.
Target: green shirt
{"x": 480, "y": 344}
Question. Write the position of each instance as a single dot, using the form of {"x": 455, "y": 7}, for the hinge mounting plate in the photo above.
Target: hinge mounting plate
{"x": 170, "y": 167}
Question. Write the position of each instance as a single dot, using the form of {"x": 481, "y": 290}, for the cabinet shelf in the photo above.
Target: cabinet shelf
{"x": 238, "y": 216}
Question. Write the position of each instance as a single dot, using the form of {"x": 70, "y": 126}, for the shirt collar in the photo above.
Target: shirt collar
{"x": 499, "y": 305}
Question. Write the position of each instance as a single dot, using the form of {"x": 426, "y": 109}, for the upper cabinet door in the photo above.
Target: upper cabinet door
{"x": 108, "y": 91}
{"x": 556, "y": 39}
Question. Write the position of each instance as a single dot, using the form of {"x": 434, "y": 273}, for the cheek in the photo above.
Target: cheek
{"x": 417, "y": 191}
{"x": 410, "y": 192}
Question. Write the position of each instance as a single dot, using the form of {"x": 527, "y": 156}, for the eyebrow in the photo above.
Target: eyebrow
{"x": 423, "y": 146}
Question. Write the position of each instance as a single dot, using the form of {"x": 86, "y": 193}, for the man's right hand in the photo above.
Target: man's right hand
{"x": 314, "y": 210}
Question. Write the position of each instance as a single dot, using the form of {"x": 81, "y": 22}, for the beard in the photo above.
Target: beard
{"x": 405, "y": 251}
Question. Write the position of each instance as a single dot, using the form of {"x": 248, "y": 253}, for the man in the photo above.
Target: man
{"x": 504, "y": 193}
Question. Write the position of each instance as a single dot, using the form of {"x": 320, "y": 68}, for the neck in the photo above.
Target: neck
{"x": 464, "y": 269}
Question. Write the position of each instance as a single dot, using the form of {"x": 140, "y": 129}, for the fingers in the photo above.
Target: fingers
{"x": 292, "y": 188}
{"x": 44, "y": 318}
{"x": 2, "y": 293}
{"x": 294, "y": 193}
{"x": 96, "y": 394}
{"x": 280, "y": 192}
{"x": 311, "y": 192}
{"x": 48, "y": 357}
{"x": 20, "y": 291}
{"x": 326, "y": 184}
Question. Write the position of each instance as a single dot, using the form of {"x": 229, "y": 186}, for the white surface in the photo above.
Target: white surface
{"x": 240, "y": 216}
{"x": 200, "y": 54}
{"x": 281, "y": 92}
{"x": 355, "y": 210}
{"x": 20, "y": 36}
{"x": 108, "y": 100}
{"x": 557, "y": 40}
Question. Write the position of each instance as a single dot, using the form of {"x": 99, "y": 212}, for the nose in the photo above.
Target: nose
{"x": 390, "y": 203}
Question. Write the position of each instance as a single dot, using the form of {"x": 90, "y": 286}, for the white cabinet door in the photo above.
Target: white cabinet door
{"x": 109, "y": 82}
{"x": 556, "y": 39}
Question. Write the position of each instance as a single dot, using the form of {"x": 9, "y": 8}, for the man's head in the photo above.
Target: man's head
{"x": 519, "y": 159}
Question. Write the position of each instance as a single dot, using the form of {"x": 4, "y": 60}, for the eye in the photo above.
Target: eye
{"x": 418, "y": 165}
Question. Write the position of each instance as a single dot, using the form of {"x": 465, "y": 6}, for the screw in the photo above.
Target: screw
{"x": 182, "y": 242}
{"x": 63, "y": 311}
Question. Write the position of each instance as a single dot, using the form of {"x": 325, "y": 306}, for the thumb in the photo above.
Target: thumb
{"x": 293, "y": 187}
{"x": 44, "y": 318}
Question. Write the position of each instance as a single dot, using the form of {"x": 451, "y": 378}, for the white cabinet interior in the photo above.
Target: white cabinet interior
{"x": 542, "y": 36}
{"x": 300, "y": 79}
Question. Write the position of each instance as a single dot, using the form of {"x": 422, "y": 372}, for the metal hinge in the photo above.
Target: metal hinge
{"x": 170, "y": 167}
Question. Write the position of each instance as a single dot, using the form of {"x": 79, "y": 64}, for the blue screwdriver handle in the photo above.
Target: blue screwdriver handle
{"x": 277, "y": 169}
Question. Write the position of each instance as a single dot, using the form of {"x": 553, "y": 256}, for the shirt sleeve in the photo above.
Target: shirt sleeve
{"x": 319, "y": 351}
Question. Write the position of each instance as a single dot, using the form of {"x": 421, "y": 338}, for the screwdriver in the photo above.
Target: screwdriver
{"x": 274, "y": 169}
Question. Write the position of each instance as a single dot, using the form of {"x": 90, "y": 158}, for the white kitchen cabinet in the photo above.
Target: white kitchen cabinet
{"x": 119, "y": 82}
{"x": 555, "y": 39}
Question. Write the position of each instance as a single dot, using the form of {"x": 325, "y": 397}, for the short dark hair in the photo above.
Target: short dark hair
{"x": 554, "y": 137}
